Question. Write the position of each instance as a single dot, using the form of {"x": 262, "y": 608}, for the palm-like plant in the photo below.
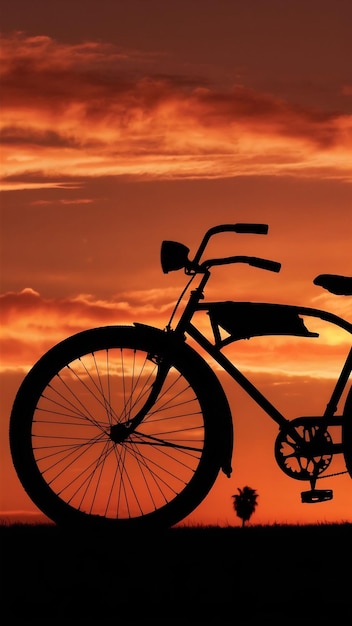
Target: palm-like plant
{"x": 245, "y": 503}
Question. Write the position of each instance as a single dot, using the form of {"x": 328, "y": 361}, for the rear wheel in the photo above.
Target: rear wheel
{"x": 71, "y": 438}
{"x": 347, "y": 432}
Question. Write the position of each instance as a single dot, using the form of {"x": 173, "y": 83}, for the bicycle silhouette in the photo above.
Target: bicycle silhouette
{"x": 129, "y": 426}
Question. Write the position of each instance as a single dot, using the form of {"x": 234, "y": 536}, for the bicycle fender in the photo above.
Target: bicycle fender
{"x": 217, "y": 401}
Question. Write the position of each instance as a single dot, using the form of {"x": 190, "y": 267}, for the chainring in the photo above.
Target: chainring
{"x": 303, "y": 448}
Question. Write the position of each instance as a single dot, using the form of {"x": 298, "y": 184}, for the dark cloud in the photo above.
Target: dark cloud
{"x": 95, "y": 117}
{"x": 17, "y": 135}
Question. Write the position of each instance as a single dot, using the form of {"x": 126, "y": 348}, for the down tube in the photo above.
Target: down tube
{"x": 252, "y": 391}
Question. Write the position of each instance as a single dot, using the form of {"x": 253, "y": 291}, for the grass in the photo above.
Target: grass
{"x": 187, "y": 575}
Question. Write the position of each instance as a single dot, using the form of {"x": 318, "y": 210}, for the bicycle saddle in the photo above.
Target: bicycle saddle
{"x": 339, "y": 285}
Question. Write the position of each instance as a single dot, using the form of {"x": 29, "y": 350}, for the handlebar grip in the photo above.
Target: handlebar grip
{"x": 265, "y": 264}
{"x": 252, "y": 229}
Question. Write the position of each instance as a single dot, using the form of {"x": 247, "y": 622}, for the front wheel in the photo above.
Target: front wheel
{"x": 71, "y": 441}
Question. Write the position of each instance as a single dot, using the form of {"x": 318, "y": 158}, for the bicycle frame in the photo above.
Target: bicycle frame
{"x": 185, "y": 326}
{"x": 317, "y": 426}
{"x": 252, "y": 391}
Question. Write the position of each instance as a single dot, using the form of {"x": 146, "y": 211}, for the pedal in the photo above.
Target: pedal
{"x": 316, "y": 495}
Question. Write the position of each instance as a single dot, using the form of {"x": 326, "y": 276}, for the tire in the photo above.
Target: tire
{"x": 347, "y": 432}
{"x": 60, "y": 435}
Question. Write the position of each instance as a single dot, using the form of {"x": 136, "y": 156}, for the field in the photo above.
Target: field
{"x": 256, "y": 575}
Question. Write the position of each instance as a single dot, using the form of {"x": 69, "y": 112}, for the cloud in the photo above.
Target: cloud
{"x": 32, "y": 324}
{"x": 64, "y": 201}
{"x": 347, "y": 90}
{"x": 91, "y": 109}
{"x": 28, "y": 309}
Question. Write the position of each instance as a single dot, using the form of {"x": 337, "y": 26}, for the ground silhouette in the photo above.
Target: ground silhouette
{"x": 276, "y": 574}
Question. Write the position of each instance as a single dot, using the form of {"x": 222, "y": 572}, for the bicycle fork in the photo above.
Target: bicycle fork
{"x": 119, "y": 432}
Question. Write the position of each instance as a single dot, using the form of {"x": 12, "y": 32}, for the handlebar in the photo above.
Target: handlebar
{"x": 252, "y": 229}
{"x": 249, "y": 229}
{"x": 174, "y": 255}
{"x": 263, "y": 264}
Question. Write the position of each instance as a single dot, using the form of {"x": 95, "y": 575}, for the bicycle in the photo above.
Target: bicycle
{"x": 129, "y": 426}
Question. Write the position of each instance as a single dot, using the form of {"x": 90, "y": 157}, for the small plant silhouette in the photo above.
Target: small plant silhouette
{"x": 244, "y": 503}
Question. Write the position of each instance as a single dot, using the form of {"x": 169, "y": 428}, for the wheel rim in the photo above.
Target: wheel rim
{"x": 82, "y": 464}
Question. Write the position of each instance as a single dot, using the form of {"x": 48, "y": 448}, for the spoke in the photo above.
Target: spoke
{"x": 153, "y": 466}
{"x": 80, "y": 451}
{"x": 98, "y": 396}
{"x": 69, "y": 447}
{"x": 78, "y": 410}
{"x": 161, "y": 449}
{"x": 154, "y": 477}
{"x": 162, "y": 442}
{"x": 125, "y": 478}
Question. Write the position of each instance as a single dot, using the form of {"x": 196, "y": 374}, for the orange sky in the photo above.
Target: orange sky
{"x": 153, "y": 121}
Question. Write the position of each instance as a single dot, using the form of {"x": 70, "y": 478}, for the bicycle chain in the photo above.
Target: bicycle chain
{"x": 331, "y": 475}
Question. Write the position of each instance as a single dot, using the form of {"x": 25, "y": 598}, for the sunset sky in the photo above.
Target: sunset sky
{"x": 126, "y": 123}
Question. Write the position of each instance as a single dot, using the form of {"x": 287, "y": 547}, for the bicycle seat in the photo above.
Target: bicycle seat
{"x": 339, "y": 285}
